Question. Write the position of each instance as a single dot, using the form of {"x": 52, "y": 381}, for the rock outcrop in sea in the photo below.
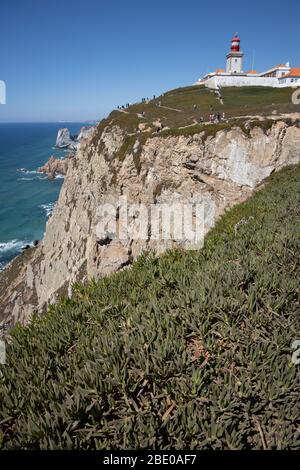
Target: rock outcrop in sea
{"x": 55, "y": 166}
{"x": 64, "y": 139}
{"x": 59, "y": 166}
{"x": 222, "y": 169}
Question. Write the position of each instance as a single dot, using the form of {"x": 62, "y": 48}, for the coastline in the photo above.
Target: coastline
{"x": 26, "y": 195}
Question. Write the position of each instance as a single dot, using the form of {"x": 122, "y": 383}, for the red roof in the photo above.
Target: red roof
{"x": 295, "y": 72}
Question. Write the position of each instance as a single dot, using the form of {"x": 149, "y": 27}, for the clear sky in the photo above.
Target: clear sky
{"x": 77, "y": 59}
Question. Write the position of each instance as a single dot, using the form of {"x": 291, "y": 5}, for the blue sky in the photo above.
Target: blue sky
{"x": 76, "y": 60}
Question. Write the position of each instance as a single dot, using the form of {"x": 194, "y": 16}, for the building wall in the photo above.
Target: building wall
{"x": 234, "y": 63}
{"x": 219, "y": 81}
{"x": 276, "y": 72}
{"x": 290, "y": 81}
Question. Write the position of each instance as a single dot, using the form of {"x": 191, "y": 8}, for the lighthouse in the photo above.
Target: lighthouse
{"x": 280, "y": 76}
{"x": 235, "y": 57}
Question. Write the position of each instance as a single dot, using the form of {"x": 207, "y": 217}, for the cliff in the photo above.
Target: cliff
{"x": 221, "y": 167}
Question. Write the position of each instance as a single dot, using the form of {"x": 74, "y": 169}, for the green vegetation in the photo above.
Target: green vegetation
{"x": 187, "y": 351}
{"x": 258, "y": 100}
{"x": 127, "y": 145}
{"x": 176, "y": 112}
{"x": 238, "y": 101}
{"x": 209, "y": 130}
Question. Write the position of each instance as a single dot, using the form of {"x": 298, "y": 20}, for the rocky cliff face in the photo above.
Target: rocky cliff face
{"x": 223, "y": 170}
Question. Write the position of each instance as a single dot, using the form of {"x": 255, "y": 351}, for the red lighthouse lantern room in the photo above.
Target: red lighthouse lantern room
{"x": 235, "y": 44}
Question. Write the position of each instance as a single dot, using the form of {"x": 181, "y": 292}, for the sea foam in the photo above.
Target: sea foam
{"x": 48, "y": 208}
{"x": 13, "y": 245}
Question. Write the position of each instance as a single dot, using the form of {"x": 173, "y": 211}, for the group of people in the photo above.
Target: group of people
{"x": 146, "y": 100}
{"x": 127, "y": 105}
{"x": 214, "y": 117}
{"x": 217, "y": 117}
{"x": 122, "y": 107}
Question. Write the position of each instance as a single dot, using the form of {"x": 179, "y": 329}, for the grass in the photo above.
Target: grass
{"x": 191, "y": 350}
{"x": 238, "y": 103}
{"x": 258, "y": 100}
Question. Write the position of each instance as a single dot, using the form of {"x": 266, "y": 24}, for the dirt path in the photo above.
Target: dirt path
{"x": 194, "y": 123}
{"x": 172, "y": 109}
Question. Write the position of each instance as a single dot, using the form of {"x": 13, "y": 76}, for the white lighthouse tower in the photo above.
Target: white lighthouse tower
{"x": 235, "y": 57}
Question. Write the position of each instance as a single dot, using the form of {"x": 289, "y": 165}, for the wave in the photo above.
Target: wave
{"x": 48, "y": 208}
{"x": 28, "y": 172}
{"x": 8, "y": 250}
{"x": 37, "y": 175}
{"x": 13, "y": 245}
{"x": 32, "y": 179}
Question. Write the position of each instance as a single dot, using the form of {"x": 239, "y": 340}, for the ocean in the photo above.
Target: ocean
{"x": 26, "y": 197}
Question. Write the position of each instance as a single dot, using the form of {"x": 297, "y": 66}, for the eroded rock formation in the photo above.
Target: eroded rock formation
{"x": 55, "y": 166}
{"x": 64, "y": 139}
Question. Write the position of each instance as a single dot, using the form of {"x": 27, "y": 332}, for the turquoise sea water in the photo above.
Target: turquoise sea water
{"x": 26, "y": 197}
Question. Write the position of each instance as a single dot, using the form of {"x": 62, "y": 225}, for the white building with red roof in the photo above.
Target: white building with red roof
{"x": 292, "y": 78}
{"x": 282, "y": 75}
